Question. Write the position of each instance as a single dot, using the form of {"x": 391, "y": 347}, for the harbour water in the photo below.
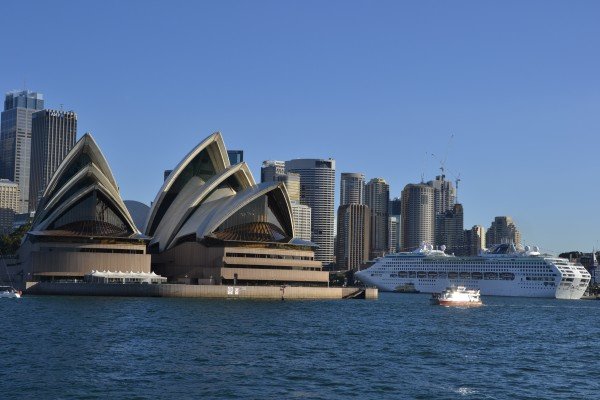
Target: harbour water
{"x": 396, "y": 347}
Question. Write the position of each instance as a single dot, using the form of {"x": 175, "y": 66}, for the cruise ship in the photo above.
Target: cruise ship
{"x": 501, "y": 271}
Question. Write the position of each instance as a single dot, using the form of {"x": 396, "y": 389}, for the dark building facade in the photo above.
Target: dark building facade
{"x": 53, "y": 135}
{"x": 15, "y": 139}
{"x": 235, "y": 156}
{"x": 377, "y": 197}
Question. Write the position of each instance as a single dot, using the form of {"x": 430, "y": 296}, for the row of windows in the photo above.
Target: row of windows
{"x": 92, "y": 250}
{"x": 272, "y": 256}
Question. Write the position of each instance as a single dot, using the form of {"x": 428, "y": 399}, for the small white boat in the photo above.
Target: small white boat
{"x": 457, "y": 296}
{"x": 9, "y": 292}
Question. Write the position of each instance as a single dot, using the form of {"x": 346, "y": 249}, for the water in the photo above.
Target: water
{"x": 396, "y": 347}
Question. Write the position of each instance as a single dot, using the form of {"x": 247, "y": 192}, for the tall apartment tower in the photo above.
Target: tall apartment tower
{"x": 302, "y": 220}
{"x": 394, "y": 226}
{"x": 317, "y": 190}
{"x": 503, "y": 230}
{"x": 352, "y": 249}
{"x": 474, "y": 240}
{"x": 270, "y": 169}
{"x": 417, "y": 216}
{"x": 450, "y": 228}
{"x": 353, "y": 223}
{"x": 444, "y": 197}
{"x": 395, "y": 210}
{"x": 15, "y": 140}
{"x": 9, "y": 205}
{"x": 352, "y": 188}
{"x": 235, "y": 156}
{"x": 377, "y": 197}
{"x": 301, "y": 213}
{"x": 53, "y": 135}
{"x": 444, "y": 194}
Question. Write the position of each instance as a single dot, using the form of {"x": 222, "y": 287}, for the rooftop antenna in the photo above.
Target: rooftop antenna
{"x": 61, "y": 107}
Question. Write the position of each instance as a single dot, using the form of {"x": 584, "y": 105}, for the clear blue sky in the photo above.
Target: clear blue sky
{"x": 374, "y": 85}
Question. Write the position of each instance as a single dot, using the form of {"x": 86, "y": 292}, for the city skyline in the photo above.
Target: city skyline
{"x": 521, "y": 103}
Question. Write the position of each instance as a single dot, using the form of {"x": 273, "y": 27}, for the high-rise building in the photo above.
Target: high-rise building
{"x": 352, "y": 249}
{"x": 317, "y": 190}
{"x": 417, "y": 217}
{"x": 9, "y": 205}
{"x": 352, "y": 188}
{"x": 395, "y": 210}
{"x": 377, "y": 197}
{"x": 270, "y": 169}
{"x": 444, "y": 194}
{"x": 166, "y": 174}
{"x": 474, "y": 240}
{"x": 353, "y": 223}
{"x": 15, "y": 140}
{"x": 235, "y": 156}
{"x": 292, "y": 184}
{"x": 274, "y": 171}
{"x": 301, "y": 215}
{"x": 394, "y": 225}
{"x": 444, "y": 197}
{"x": 53, "y": 135}
{"x": 450, "y": 229}
{"x": 503, "y": 230}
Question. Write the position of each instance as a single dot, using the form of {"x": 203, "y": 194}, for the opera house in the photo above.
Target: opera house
{"x": 210, "y": 223}
{"x": 81, "y": 223}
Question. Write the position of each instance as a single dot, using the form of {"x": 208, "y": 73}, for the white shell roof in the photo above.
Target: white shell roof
{"x": 58, "y": 199}
{"x": 218, "y": 154}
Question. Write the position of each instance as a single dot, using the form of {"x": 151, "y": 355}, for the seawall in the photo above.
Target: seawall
{"x": 198, "y": 291}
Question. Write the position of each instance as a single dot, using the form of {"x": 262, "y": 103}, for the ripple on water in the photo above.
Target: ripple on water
{"x": 396, "y": 347}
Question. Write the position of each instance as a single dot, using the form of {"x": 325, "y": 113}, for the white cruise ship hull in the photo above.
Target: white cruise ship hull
{"x": 510, "y": 275}
{"x": 487, "y": 288}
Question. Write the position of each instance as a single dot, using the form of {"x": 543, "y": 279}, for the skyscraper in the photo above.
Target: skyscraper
{"x": 449, "y": 231}
{"x": 395, "y": 210}
{"x": 444, "y": 194}
{"x": 235, "y": 156}
{"x": 352, "y": 248}
{"x": 292, "y": 184}
{"x": 474, "y": 240}
{"x": 317, "y": 189}
{"x": 15, "y": 140}
{"x": 274, "y": 171}
{"x": 9, "y": 204}
{"x": 394, "y": 225}
{"x": 417, "y": 218}
{"x": 352, "y": 188}
{"x": 444, "y": 197}
{"x": 353, "y": 223}
{"x": 270, "y": 169}
{"x": 503, "y": 230}
{"x": 53, "y": 135}
{"x": 377, "y": 197}
{"x": 302, "y": 215}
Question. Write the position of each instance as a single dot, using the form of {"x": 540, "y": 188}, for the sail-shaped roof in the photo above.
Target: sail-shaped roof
{"x": 83, "y": 197}
{"x": 207, "y": 159}
{"x": 205, "y": 195}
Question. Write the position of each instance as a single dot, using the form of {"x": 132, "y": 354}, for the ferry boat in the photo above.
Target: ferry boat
{"x": 500, "y": 271}
{"x": 457, "y": 296}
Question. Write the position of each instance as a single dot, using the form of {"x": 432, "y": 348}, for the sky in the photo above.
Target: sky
{"x": 507, "y": 93}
